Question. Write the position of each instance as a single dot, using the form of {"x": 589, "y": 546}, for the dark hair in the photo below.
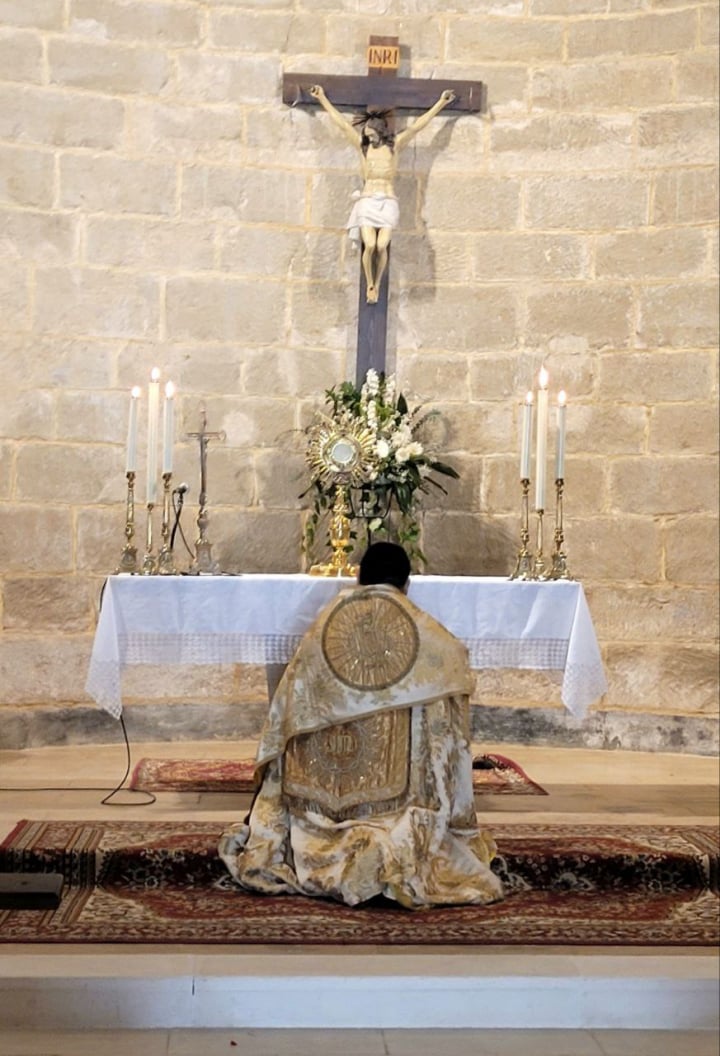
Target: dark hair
{"x": 384, "y": 563}
{"x": 377, "y": 120}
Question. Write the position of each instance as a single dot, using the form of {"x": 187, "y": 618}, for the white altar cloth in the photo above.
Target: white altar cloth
{"x": 260, "y": 619}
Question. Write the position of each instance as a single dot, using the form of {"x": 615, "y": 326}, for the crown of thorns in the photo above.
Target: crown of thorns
{"x": 373, "y": 114}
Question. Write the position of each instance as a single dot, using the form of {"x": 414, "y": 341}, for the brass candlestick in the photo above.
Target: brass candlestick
{"x": 166, "y": 560}
{"x": 128, "y": 556}
{"x": 540, "y": 570}
{"x": 149, "y": 565}
{"x": 559, "y": 559}
{"x": 524, "y": 563}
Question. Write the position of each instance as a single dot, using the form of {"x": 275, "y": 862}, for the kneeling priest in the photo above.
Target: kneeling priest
{"x": 364, "y": 768}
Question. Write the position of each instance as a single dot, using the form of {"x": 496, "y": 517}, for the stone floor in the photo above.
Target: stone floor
{"x": 600, "y": 787}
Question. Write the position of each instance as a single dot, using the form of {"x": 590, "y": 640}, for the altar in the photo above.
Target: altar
{"x": 261, "y": 618}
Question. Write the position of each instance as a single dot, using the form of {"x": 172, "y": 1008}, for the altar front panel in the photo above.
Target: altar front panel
{"x": 260, "y": 619}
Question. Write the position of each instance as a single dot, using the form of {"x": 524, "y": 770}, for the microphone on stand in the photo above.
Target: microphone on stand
{"x": 180, "y": 491}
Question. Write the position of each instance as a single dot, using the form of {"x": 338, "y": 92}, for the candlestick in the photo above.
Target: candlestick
{"x": 560, "y": 443}
{"x": 524, "y": 564}
{"x": 131, "y": 456}
{"x": 540, "y": 570}
{"x": 168, "y": 428}
{"x": 149, "y": 565}
{"x": 165, "y": 562}
{"x": 128, "y": 556}
{"x": 526, "y": 437}
{"x": 152, "y": 436}
{"x": 541, "y": 440}
{"x": 559, "y": 558}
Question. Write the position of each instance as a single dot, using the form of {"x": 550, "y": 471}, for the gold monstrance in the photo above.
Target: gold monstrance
{"x": 340, "y": 453}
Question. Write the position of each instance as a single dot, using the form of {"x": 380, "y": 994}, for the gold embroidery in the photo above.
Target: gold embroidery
{"x": 370, "y": 642}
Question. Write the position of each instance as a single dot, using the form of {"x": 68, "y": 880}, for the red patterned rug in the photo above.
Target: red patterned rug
{"x": 163, "y": 882}
{"x": 492, "y": 775}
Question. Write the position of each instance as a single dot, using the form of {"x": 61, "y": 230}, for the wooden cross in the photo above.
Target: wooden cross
{"x": 381, "y": 89}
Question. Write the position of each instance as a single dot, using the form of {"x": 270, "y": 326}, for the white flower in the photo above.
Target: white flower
{"x": 402, "y": 454}
{"x": 401, "y": 437}
{"x": 382, "y": 449}
{"x": 390, "y": 388}
{"x": 373, "y": 382}
{"x": 374, "y": 524}
{"x": 414, "y": 449}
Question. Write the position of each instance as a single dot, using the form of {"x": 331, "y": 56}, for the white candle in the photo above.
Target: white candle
{"x": 152, "y": 435}
{"x": 168, "y": 428}
{"x": 541, "y": 440}
{"x": 560, "y": 448}
{"x": 526, "y": 438}
{"x": 131, "y": 456}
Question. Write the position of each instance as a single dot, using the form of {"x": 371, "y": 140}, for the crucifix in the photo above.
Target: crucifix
{"x": 203, "y": 563}
{"x": 375, "y": 212}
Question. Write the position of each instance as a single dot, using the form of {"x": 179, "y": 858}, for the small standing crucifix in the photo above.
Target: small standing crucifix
{"x": 203, "y": 563}
{"x": 375, "y": 212}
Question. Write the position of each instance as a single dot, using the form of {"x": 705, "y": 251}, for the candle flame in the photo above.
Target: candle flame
{"x": 562, "y": 398}
{"x": 155, "y": 374}
{"x": 169, "y": 390}
{"x": 543, "y": 378}
{"x": 529, "y": 398}
{"x": 135, "y": 392}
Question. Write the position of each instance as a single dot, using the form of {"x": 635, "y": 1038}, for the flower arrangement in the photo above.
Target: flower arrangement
{"x": 397, "y": 466}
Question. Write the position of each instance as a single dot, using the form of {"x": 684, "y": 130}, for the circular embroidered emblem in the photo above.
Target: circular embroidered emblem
{"x": 370, "y": 641}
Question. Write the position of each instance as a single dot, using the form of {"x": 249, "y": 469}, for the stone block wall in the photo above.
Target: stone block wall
{"x": 159, "y": 205}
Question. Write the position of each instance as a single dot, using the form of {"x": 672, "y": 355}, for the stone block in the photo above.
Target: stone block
{"x": 529, "y": 257}
{"x": 48, "y": 238}
{"x": 667, "y": 486}
{"x": 40, "y": 14}
{"x": 664, "y": 254}
{"x": 458, "y": 320}
{"x": 36, "y": 538}
{"x": 600, "y": 315}
{"x": 697, "y": 75}
{"x": 321, "y": 316}
{"x": 423, "y": 376}
{"x": 187, "y": 133}
{"x": 680, "y": 316}
{"x": 218, "y": 310}
{"x": 231, "y": 478}
{"x": 60, "y": 603}
{"x": 95, "y": 417}
{"x": 585, "y": 487}
{"x": 563, "y": 142}
{"x": 476, "y": 428}
{"x": 95, "y": 303}
{"x": 105, "y": 67}
{"x": 298, "y": 372}
{"x": 68, "y": 473}
{"x": 246, "y": 421}
{"x": 283, "y": 254}
{"x": 476, "y": 203}
{"x": 14, "y": 295}
{"x": 684, "y": 429}
{"x": 281, "y": 479}
{"x": 213, "y": 78}
{"x": 7, "y": 458}
{"x": 469, "y": 544}
{"x": 453, "y": 143}
{"x": 680, "y": 680}
{"x": 267, "y": 32}
{"x": 709, "y": 29}
{"x": 305, "y": 135}
{"x": 348, "y": 37}
{"x": 504, "y": 40}
{"x": 256, "y": 540}
{"x": 655, "y": 377}
{"x": 26, "y": 177}
{"x": 21, "y": 56}
{"x": 100, "y": 536}
{"x": 603, "y": 85}
{"x": 252, "y": 196}
{"x": 686, "y": 196}
{"x": 609, "y": 549}
{"x": 646, "y": 34}
{"x": 174, "y": 245}
{"x": 605, "y": 428}
{"x": 682, "y": 135}
{"x": 28, "y": 415}
{"x": 60, "y": 118}
{"x": 459, "y": 495}
{"x": 206, "y": 683}
{"x": 36, "y": 669}
{"x": 117, "y": 185}
{"x": 691, "y": 548}
{"x": 588, "y": 203}
{"x": 175, "y": 25}
{"x": 652, "y": 613}
{"x": 55, "y": 362}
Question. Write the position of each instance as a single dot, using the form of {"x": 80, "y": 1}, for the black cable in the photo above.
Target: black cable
{"x": 178, "y": 499}
{"x": 150, "y": 798}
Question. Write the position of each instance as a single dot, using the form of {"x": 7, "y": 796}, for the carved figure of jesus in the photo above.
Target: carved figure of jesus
{"x": 376, "y": 212}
